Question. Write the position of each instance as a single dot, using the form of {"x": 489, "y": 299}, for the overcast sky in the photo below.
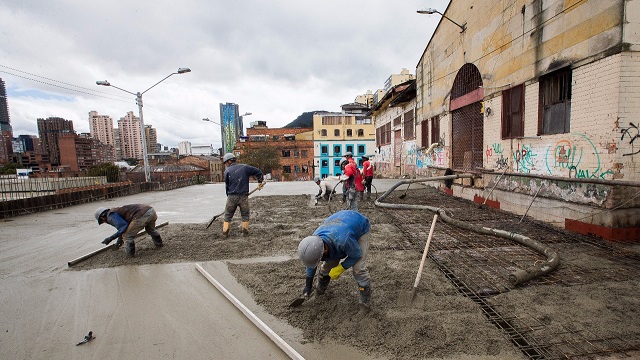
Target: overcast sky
{"x": 275, "y": 59}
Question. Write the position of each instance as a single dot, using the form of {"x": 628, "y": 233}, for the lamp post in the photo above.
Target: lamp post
{"x": 138, "y": 95}
{"x": 242, "y": 122}
{"x": 215, "y": 122}
{"x": 430, "y": 11}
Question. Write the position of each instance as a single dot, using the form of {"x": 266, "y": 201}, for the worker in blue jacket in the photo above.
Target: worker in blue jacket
{"x": 341, "y": 242}
{"x": 236, "y": 182}
{"x": 129, "y": 220}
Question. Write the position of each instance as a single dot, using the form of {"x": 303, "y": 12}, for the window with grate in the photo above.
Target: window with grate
{"x": 324, "y": 150}
{"x": 512, "y": 112}
{"x": 350, "y": 148}
{"x": 324, "y": 163}
{"x": 336, "y": 132}
{"x": 408, "y": 127}
{"x": 387, "y": 138}
{"x": 286, "y": 169}
{"x": 286, "y": 153}
{"x": 349, "y": 132}
{"x": 360, "y": 149}
{"x": 435, "y": 130}
{"x": 555, "y": 103}
{"x": 360, "y": 132}
{"x": 397, "y": 121}
{"x": 323, "y": 132}
{"x": 424, "y": 134}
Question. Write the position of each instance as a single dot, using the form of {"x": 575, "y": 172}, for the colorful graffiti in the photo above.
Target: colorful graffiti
{"x": 627, "y": 131}
{"x": 524, "y": 158}
{"x": 568, "y": 155}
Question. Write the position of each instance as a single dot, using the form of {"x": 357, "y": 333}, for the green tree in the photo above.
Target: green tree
{"x": 111, "y": 171}
{"x": 9, "y": 169}
{"x": 265, "y": 158}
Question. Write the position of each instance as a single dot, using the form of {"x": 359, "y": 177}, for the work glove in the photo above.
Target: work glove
{"x": 107, "y": 241}
{"x": 260, "y": 186}
{"x": 336, "y": 272}
{"x": 308, "y": 288}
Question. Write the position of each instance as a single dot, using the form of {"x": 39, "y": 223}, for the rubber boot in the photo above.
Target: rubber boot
{"x": 225, "y": 228}
{"x": 130, "y": 248}
{"x": 308, "y": 287}
{"x": 157, "y": 241}
{"x": 245, "y": 228}
{"x": 365, "y": 295}
{"x": 323, "y": 283}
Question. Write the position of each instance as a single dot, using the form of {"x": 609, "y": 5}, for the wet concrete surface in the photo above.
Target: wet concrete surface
{"x": 164, "y": 311}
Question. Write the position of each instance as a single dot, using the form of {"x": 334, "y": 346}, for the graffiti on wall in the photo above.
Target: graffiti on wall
{"x": 524, "y": 158}
{"x": 569, "y": 154}
{"x": 573, "y": 156}
{"x": 496, "y": 151}
{"x": 630, "y": 131}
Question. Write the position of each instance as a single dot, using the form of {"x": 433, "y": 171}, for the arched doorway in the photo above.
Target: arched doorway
{"x": 467, "y": 123}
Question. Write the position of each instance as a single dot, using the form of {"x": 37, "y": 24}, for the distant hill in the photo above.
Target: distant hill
{"x": 303, "y": 121}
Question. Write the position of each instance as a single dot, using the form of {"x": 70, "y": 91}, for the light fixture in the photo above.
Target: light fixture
{"x": 430, "y": 11}
{"x": 138, "y": 95}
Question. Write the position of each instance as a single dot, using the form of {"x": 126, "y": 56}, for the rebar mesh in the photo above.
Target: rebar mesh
{"x": 478, "y": 266}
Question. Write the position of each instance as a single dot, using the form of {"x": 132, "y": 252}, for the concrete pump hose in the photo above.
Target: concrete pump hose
{"x": 515, "y": 278}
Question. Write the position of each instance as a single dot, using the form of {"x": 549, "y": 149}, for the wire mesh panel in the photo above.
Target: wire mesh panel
{"x": 467, "y": 133}
{"x": 466, "y": 119}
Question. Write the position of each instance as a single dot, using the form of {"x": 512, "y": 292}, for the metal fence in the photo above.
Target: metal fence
{"x": 27, "y": 196}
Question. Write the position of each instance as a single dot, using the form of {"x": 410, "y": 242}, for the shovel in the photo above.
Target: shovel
{"x": 222, "y": 213}
{"x": 407, "y": 298}
{"x": 297, "y": 302}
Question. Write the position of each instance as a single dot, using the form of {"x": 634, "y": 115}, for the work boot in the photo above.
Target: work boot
{"x": 157, "y": 241}
{"x": 245, "y": 228}
{"x": 225, "y": 228}
{"x": 130, "y": 249}
{"x": 323, "y": 283}
{"x": 365, "y": 295}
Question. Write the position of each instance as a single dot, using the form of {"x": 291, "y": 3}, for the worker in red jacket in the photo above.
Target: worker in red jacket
{"x": 352, "y": 181}
{"x": 367, "y": 170}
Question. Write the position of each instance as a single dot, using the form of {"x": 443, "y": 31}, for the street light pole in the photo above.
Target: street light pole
{"x": 138, "y": 95}
{"x": 215, "y": 122}
{"x": 430, "y": 11}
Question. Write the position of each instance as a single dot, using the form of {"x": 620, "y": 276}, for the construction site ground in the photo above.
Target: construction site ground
{"x": 156, "y": 306}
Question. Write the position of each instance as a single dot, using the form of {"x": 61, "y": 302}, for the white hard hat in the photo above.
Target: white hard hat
{"x": 227, "y": 157}
{"x": 316, "y": 179}
{"x": 99, "y": 212}
{"x": 310, "y": 250}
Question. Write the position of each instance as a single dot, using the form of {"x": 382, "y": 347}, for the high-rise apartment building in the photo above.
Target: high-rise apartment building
{"x": 49, "y": 130}
{"x": 6, "y": 133}
{"x": 130, "y": 136}
{"x": 101, "y": 129}
{"x": 151, "y": 136}
{"x": 184, "y": 148}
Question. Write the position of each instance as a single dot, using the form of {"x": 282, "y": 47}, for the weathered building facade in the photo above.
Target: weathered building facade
{"x": 540, "y": 100}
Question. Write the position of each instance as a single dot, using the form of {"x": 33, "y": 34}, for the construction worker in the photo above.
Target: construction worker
{"x": 367, "y": 172}
{"x": 352, "y": 183}
{"x": 129, "y": 220}
{"x": 236, "y": 181}
{"x": 341, "y": 242}
{"x": 325, "y": 189}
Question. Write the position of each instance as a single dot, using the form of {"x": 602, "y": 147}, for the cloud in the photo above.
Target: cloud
{"x": 275, "y": 59}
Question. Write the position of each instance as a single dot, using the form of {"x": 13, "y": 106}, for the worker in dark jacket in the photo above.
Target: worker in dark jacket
{"x": 341, "y": 242}
{"x": 236, "y": 180}
{"x": 129, "y": 220}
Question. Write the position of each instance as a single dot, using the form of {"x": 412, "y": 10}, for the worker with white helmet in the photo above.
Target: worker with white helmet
{"x": 341, "y": 243}
{"x": 236, "y": 180}
{"x": 129, "y": 220}
{"x": 326, "y": 189}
